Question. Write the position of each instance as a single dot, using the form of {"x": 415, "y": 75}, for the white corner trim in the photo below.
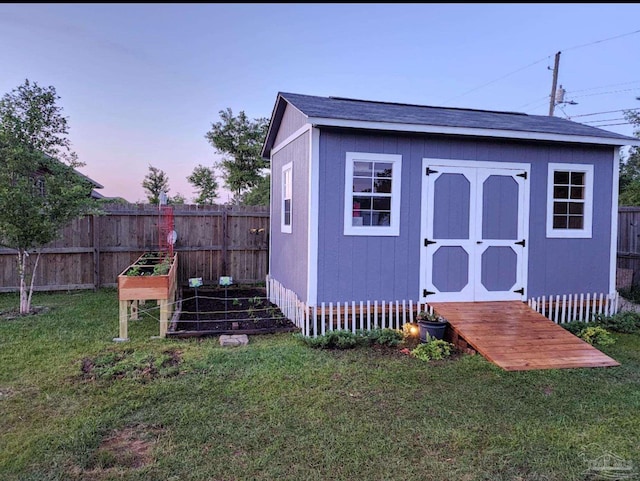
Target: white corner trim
{"x": 313, "y": 220}
{"x": 396, "y": 193}
{"x": 288, "y": 167}
{"x": 479, "y": 132}
{"x": 614, "y": 221}
{"x": 586, "y": 231}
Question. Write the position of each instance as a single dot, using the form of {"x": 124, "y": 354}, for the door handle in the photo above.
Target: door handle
{"x": 478, "y": 242}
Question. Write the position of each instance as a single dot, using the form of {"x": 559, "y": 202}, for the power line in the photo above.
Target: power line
{"x": 541, "y": 60}
{"x": 606, "y": 93}
{"x": 603, "y": 40}
{"x": 610, "y": 125}
{"x": 496, "y": 80}
{"x": 605, "y": 112}
{"x": 605, "y": 86}
{"x": 603, "y": 120}
{"x": 545, "y": 98}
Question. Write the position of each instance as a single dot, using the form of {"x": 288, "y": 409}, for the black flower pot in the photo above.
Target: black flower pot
{"x": 435, "y": 329}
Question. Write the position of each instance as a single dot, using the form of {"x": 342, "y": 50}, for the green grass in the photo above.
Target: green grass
{"x": 74, "y": 405}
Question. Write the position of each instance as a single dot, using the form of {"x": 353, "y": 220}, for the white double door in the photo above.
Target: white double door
{"x": 474, "y": 230}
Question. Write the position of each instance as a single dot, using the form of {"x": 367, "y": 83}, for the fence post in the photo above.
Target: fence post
{"x": 225, "y": 246}
{"x": 95, "y": 230}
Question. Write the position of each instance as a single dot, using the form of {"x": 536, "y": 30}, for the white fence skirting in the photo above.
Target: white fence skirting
{"x": 365, "y": 315}
{"x": 576, "y": 307}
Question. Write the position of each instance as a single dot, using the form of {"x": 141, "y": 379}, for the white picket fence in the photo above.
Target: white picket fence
{"x": 366, "y": 315}
{"x": 576, "y": 307}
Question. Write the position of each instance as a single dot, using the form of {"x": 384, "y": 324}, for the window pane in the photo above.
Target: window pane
{"x": 576, "y": 208}
{"x": 382, "y": 186}
{"x": 381, "y": 218}
{"x": 559, "y": 222}
{"x": 363, "y": 169}
{"x": 575, "y": 222}
{"x": 382, "y": 203}
{"x": 362, "y": 203}
{"x": 560, "y": 192}
{"x": 560, "y": 207}
{"x": 577, "y": 178}
{"x": 287, "y": 212}
{"x": 361, "y": 184}
{"x": 560, "y": 177}
{"x": 383, "y": 169}
{"x": 577, "y": 192}
{"x": 366, "y": 218}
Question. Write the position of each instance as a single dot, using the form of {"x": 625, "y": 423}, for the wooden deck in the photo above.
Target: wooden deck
{"x": 516, "y": 338}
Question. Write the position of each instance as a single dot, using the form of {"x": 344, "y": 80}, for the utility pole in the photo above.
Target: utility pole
{"x": 552, "y": 102}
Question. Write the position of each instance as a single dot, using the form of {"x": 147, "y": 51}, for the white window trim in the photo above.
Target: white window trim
{"x": 586, "y": 231}
{"x": 286, "y": 228}
{"x": 390, "y": 230}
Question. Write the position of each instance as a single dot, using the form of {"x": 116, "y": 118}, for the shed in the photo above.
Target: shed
{"x": 374, "y": 201}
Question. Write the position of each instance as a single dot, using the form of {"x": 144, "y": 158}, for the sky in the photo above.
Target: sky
{"x": 141, "y": 84}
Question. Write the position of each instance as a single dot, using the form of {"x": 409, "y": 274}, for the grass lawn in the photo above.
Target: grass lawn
{"x": 74, "y": 405}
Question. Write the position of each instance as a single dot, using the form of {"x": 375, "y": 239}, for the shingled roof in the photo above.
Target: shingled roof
{"x": 354, "y": 113}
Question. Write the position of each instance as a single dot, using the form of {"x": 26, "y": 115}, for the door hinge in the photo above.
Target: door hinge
{"x": 426, "y": 293}
{"x": 523, "y": 175}
{"x": 430, "y": 171}
{"x": 520, "y": 291}
{"x": 521, "y": 243}
{"x": 427, "y": 242}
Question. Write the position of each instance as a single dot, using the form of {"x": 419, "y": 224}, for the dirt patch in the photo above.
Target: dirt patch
{"x": 142, "y": 365}
{"x": 13, "y": 314}
{"x": 217, "y": 311}
{"x": 122, "y": 450}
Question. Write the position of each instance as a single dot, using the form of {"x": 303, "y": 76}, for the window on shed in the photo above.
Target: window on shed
{"x": 569, "y": 200}
{"x": 372, "y": 194}
{"x": 287, "y": 197}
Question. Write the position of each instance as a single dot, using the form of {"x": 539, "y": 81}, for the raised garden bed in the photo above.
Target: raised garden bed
{"x": 238, "y": 310}
{"x": 153, "y": 276}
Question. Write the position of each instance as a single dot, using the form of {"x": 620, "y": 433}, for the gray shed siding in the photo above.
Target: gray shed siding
{"x": 388, "y": 268}
{"x": 288, "y": 261}
{"x": 292, "y": 120}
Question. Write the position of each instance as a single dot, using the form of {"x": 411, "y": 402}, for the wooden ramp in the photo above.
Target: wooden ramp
{"x": 516, "y": 338}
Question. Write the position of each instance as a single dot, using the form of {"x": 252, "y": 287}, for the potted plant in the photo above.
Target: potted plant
{"x": 432, "y": 325}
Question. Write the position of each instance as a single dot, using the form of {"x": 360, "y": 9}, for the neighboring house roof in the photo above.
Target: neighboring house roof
{"x": 353, "y": 113}
{"x": 96, "y": 185}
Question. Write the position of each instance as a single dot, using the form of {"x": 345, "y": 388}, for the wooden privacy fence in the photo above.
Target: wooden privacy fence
{"x": 628, "y": 261}
{"x": 213, "y": 241}
{"x": 365, "y": 315}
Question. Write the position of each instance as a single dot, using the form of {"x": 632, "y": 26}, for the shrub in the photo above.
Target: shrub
{"x": 340, "y": 339}
{"x": 384, "y": 337}
{"x": 575, "y": 327}
{"x": 343, "y": 339}
{"x": 433, "y": 349}
{"x": 626, "y": 322}
{"x": 596, "y": 336}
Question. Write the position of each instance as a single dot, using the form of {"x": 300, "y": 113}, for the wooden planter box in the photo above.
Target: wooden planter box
{"x": 161, "y": 288}
{"x": 148, "y": 286}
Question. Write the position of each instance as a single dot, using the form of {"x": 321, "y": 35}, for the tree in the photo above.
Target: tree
{"x": 155, "y": 182}
{"x": 40, "y": 191}
{"x": 240, "y": 141}
{"x": 629, "y": 186}
{"x": 204, "y": 180}
{"x": 177, "y": 199}
{"x": 258, "y": 195}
